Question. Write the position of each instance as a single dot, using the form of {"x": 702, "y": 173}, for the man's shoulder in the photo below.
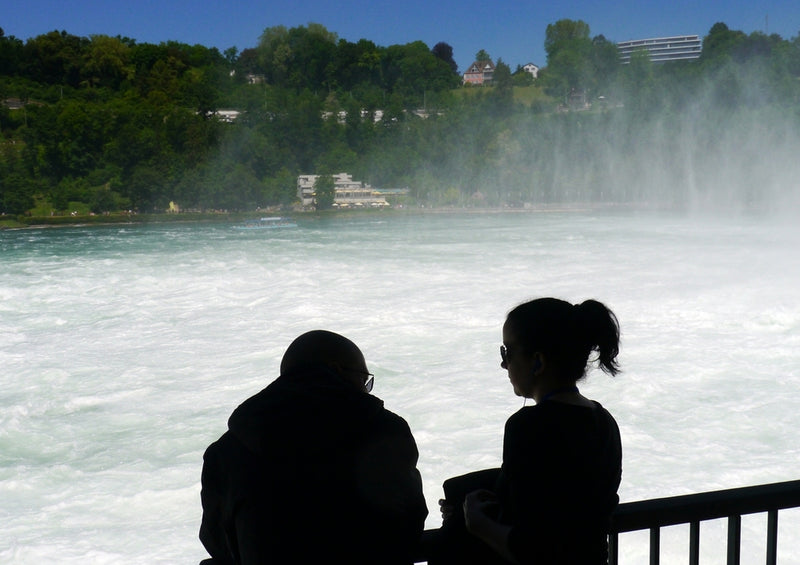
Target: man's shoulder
{"x": 389, "y": 429}
{"x": 391, "y": 419}
{"x": 217, "y": 449}
{"x": 219, "y": 444}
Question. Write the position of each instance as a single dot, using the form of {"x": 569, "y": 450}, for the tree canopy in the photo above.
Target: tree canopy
{"x": 482, "y": 55}
{"x": 102, "y": 123}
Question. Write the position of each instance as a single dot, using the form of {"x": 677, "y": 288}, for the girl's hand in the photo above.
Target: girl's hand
{"x": 480, "y": 507}
{"x": 446, "y": 509}
{"x": 480, "y": 514}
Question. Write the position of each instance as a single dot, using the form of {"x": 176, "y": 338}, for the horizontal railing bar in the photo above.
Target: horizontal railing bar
{"x": 658, "y": 512}
{"x": 690, "y": 509}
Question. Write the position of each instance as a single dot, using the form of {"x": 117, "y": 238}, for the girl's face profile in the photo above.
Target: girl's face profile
{"x": 519, "y": 364}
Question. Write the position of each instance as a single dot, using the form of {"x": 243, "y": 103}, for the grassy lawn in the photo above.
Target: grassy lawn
{"x": 524, "y": 95}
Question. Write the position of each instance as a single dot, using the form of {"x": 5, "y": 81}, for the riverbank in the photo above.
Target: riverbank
{"x": 22, "y": 222}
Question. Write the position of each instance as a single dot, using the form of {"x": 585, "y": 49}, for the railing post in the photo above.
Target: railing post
{"x": 694, "y": 543}
{"x": 772, "y": 537}
{"x": 734, "y": 539}
{"x": 694, "y": 509}
{"x": 655, "y": 545}
{"x": 613, "y": 548}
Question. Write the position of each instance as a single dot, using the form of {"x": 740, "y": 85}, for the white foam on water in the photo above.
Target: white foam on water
{"x": 125, "y": 350}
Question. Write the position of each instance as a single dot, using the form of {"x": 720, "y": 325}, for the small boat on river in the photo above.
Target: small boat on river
{"x": 269, "y": 223}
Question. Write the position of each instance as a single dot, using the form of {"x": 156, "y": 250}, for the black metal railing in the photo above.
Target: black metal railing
{"x": 692, "y": 509}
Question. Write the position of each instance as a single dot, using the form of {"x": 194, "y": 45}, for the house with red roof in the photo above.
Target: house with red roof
{"x": 479, "y": 72}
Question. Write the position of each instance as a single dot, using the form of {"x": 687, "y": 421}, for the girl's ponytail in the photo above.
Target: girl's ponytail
{"x": 601, "y": 330}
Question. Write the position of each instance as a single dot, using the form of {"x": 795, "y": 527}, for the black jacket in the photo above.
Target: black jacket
{"x": 309, "y": 471}
{"x": 562, "y": 466}
{"x": 557, "y": 489}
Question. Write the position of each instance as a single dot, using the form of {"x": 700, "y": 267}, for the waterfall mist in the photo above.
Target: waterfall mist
{"x": 693, "y": 137}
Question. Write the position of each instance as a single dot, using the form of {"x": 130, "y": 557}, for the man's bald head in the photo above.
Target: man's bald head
{"x": 321, "y": 347}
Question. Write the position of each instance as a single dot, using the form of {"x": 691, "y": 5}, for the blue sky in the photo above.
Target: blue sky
{"x": 511, "y": 30}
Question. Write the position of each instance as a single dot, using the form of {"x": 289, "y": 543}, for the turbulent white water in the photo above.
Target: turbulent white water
{"x": 124, "y": 349}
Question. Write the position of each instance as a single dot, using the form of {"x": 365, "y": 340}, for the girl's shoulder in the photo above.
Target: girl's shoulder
{"x": 565, "y": 416}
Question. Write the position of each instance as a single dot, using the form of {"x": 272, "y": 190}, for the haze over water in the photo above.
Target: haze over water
{"x": 124, "y": 350}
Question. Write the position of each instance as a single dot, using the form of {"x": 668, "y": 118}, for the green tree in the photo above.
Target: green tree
{"x": 16, "y": 194}
{"x": 11, "y": 52}
{"x": 312, "y": 51}
{"x": 325, "y": 192}
{"x": 243, "y": 191}
{"x": 722, "y": 64}
{"x": 274, "y": 54}
{"x": 639, "y": 84}
{"x": 281, "y": 188}
{"x": 356, "y": 67}
{"x": 199, "y": 89}
{"x": 482, "y": 55}
{"x": 444, "y": 52}
{"x": 566, "y": 35}
{"x": 79, "y": 133}
{"x": 604, "y": 65}
{"x": 146, "y": 187}
{"x": 411, "y": 70}
{"x": 231, "y": 55}
{"x": 247, "y": 63}
{"x": 106, "y": 200}
{"x": 503, "y": 92}
{"x": 521, "y": 77}
{"x": 106, "y": 62}
{"x": 720, "y": 43}
{"x": 568, "y": 48}
{"x": 162, "y": 81}
{"x": 55, "y": 57}
{"x": 299, "y": 57}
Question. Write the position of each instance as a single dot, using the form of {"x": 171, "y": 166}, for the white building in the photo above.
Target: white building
{"x": 532, "y": 69}
{"x": 662, "y": 49}
{"x": 349, "y": 193}
{"x": 228, "y": 116}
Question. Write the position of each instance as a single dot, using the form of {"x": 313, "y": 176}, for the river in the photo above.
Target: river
{"x": 125, "y": 348}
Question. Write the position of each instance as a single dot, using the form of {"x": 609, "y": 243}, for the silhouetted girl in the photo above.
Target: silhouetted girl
{"x": 553, "y": 497}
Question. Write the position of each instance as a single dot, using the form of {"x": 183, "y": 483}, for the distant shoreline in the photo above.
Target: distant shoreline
{"x": 10, "y": 222}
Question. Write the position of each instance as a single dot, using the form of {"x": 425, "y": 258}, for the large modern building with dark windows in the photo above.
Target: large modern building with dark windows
{"x": 662, "y": 49}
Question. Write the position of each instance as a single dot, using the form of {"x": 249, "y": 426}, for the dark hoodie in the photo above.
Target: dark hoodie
{"x": 312, "y": 470}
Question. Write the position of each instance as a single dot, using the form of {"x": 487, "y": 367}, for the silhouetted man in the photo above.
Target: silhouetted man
{"x": 313, "y": 469}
